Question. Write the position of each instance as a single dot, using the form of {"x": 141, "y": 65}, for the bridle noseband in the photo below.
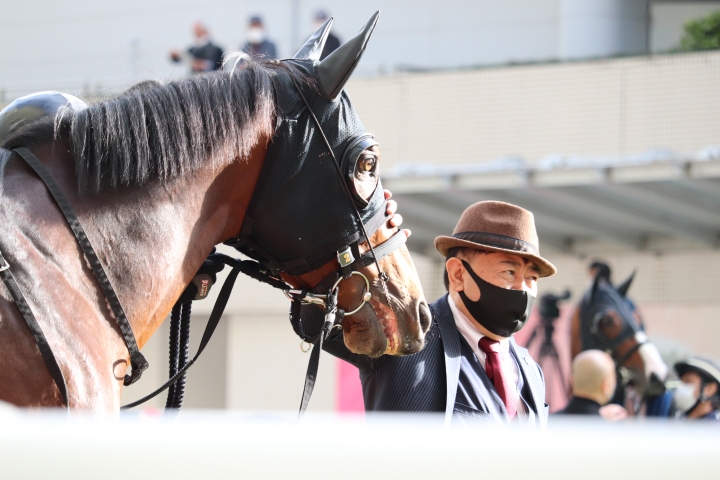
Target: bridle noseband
{"x": 321, "y": 300}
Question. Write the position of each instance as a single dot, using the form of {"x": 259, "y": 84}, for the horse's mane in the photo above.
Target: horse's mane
{"x": 154, "y": 131}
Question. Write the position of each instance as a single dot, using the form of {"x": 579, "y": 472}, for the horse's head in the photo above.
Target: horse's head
{"x": 610, "y": 323}
{"x": 317, "y": 216}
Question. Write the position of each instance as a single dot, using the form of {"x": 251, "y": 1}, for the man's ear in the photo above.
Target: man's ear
{"x": 608, "y": 387}
{"x": 455, "y": 270}
{"x": 710, "y": 390}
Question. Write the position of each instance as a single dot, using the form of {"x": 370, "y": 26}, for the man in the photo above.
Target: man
{"x": 258, "y": 46}
{"x": 698, "y": 396}
{"x": 593, "y": 383}
{"x": 205, "y": 56}
{"x": 332, "y": 42}
{"x": 471, "y": 368}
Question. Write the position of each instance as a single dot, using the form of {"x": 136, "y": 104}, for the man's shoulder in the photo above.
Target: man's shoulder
{"x": 440, "y": 306}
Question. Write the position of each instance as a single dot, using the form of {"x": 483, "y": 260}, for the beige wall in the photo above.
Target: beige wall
{"x": 596, "y": 108}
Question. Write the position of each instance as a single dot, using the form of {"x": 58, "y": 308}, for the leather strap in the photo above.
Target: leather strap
{"x": 383, "y": 250}
{"x": 314, "y": 362}
{"x": 34, "y": 327}
{"x": 137, "y": 360}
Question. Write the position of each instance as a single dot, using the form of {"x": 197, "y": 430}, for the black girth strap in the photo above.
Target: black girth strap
{"x": 35, "y": 329}
{"x": 137, "y": 360}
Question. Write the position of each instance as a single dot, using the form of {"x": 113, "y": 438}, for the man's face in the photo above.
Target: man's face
{"x": 503, "y": 270}
{"x": 199, "y": 31}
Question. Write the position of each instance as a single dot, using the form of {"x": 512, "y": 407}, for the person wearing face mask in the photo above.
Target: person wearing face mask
{"x": 204, "y": 56}
{"x": 258, "y": 46}
{"x": 470, "y": 369}
{"x": 593, "y": 383}
{"x": 698, "y": 395}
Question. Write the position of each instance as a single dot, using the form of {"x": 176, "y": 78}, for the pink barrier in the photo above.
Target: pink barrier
{"x": 348, "y": 397}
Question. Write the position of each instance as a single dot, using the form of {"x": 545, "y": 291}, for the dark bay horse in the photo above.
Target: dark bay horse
{"x": 605, "y": 320}
{"x": 157, "y": 177}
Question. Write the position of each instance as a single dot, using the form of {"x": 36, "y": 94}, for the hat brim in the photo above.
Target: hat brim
{"x": 444, "y": 243}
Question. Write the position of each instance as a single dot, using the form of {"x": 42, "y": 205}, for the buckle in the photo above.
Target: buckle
{"x": 3, "y": 263}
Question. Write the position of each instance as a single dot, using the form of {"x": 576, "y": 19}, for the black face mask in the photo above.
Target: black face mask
{"x": 502, "y": 311}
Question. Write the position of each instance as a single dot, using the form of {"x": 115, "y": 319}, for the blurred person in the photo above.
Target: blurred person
{"x": 698, "y": 396}
{"x": 593, "y": 385}
{"x": 258, "y": 46}
{"x": 471, "y": 368}
{"x": 204, "y": 55}
{"x": 332, "y": 42}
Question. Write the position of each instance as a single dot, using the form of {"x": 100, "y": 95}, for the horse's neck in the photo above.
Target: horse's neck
{"x": 153, "y": 239}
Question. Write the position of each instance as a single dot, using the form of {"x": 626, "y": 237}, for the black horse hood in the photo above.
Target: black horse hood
{"x": 299, "y": 178}
{"x": 596, "y": 301}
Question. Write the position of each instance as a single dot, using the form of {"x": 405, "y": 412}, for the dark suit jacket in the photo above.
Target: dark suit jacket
{"x": 428, "y": 381}
{"x": 580, "y": 406}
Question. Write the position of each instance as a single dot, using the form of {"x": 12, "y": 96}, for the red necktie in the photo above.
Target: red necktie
{"x": 494, "y": 356}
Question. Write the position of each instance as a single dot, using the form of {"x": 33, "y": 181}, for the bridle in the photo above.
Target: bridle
{"x": 322, "y": 299}
{"x": 611, "y": 345}
{"x": 324, "y": 295}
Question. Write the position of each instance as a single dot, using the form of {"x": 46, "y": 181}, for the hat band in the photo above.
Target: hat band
{"x": 498, "y": 241}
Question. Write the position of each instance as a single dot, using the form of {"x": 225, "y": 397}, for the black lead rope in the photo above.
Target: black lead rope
{"x": 179, "y": 352}
{"x": 37, "y": 333}
{"x": 137, "y": 360}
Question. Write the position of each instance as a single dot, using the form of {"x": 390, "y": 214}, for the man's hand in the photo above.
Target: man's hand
{"x": 395, "y": 219}
{"x": 613, "y": 412}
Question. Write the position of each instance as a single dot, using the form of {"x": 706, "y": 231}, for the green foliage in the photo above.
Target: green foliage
{"x": 702, "y": 34}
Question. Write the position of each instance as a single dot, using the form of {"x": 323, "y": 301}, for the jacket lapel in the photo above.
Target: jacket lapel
{"x": 531, "y": 374}
{"x": 451, "y": 346}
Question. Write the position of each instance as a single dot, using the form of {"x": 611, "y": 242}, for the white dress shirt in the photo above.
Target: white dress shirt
{"x": 472, "y": 336}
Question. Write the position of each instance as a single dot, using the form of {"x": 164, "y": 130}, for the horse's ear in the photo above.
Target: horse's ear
{"x": 335, "y": 70}
{"x": 595, "y": 285}
{"x": 314, "y": 46}
{"x": 623, "y": 288}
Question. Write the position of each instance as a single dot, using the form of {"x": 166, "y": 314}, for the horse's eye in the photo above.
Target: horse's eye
{"x": 367, "y": 163}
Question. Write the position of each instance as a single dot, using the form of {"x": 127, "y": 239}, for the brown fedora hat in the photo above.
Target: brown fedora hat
{"x": 497, "y": 227}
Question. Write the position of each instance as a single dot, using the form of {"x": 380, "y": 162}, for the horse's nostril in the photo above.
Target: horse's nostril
{"x": 425, "y": 316}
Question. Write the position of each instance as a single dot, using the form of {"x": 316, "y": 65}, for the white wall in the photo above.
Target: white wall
{"x": 91, "y": 47}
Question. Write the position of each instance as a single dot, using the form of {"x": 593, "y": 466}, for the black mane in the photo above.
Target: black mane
{"x": 154, "y": 131}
